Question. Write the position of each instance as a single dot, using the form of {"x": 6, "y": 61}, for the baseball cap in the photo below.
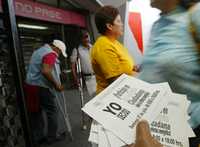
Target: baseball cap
{"x": 60, "y": 45}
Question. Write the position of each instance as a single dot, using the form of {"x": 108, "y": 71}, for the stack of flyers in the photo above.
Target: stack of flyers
{"x": 117, "y": 110}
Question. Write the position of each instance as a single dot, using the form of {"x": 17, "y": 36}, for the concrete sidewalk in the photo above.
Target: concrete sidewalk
{"x": 74, "y": 111}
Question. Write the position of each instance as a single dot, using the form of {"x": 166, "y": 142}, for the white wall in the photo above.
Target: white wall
{"x": 122, "y": 11}
{"x": 148, "y": 15}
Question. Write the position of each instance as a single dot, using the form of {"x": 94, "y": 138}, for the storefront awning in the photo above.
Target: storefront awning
{"x": 116, "y": 3}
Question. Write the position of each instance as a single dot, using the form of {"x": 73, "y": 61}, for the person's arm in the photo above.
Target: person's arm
{"x": 46, "y": 71}
{"x": 48, "y": 63}
{"x": 144, "y": 137}
{"x": 110, "y": 65}
{"x": 135, "y": 72}
{"x": 73, "y": 59}
{"x": 73, "y": 66}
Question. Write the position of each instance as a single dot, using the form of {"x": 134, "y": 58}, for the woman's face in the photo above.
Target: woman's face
{"x": 117, "y": 27}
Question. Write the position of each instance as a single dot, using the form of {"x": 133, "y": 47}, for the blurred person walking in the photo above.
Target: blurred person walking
{"x": 172, "y": 54}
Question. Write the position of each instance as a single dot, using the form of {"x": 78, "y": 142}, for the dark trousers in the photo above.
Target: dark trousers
{"x": 195, "y": 141}
{"x": 48, "y": 105}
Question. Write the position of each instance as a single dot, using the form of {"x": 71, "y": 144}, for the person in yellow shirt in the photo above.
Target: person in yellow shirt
{"x": 109, "y": 57}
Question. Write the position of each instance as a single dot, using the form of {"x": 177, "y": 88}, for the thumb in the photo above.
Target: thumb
{"x": 143, "y": 130}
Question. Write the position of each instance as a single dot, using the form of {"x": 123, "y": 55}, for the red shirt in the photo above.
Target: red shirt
{"x": 32, "y": 98}
{"x": 49, "y": 59}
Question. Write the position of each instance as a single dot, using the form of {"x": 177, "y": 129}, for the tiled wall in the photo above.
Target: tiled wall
{"x": 11, "y": 133}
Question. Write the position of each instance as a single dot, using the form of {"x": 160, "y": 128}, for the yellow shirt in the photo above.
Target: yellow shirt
{"x": 109, "y": 59}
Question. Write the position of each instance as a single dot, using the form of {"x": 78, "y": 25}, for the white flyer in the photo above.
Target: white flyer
{"x": 103, "y": 138}
{"x": 114, "y": 140}
{"x": 117, "y": 142}
{"x": 119, "y": 116}
{"x": 93, "y": 137}
{"x": 170, "y": 127}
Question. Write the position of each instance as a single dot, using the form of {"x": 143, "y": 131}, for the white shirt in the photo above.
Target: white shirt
{"x": 84, "y": 54}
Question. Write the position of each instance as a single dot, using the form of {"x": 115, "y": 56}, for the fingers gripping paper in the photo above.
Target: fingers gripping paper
{"x": 126, "y": 101}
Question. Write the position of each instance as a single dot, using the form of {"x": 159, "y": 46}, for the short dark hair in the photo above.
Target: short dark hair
{"x": 104, "y": 15}
{"x": 83, "y": 33}
{"x": 187, "y": 3}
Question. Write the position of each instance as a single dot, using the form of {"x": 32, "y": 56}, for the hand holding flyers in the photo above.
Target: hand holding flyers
{"x": 126, "y": 101}
{"x": 143, "y": 136}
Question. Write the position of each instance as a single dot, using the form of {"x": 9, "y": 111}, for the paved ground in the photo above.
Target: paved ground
{"x": 80, "y": 136}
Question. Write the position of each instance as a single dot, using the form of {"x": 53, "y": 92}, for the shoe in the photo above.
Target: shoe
{"x": 62, "y": 135}
{"x": 54, "y": 140}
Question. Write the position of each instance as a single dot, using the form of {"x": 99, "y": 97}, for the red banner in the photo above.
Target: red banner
{"x": 135, "y": 24}
{"x": 40, "y": 11}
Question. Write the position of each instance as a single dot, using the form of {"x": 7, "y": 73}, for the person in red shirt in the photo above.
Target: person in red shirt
{"x": 41, "y": 82}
